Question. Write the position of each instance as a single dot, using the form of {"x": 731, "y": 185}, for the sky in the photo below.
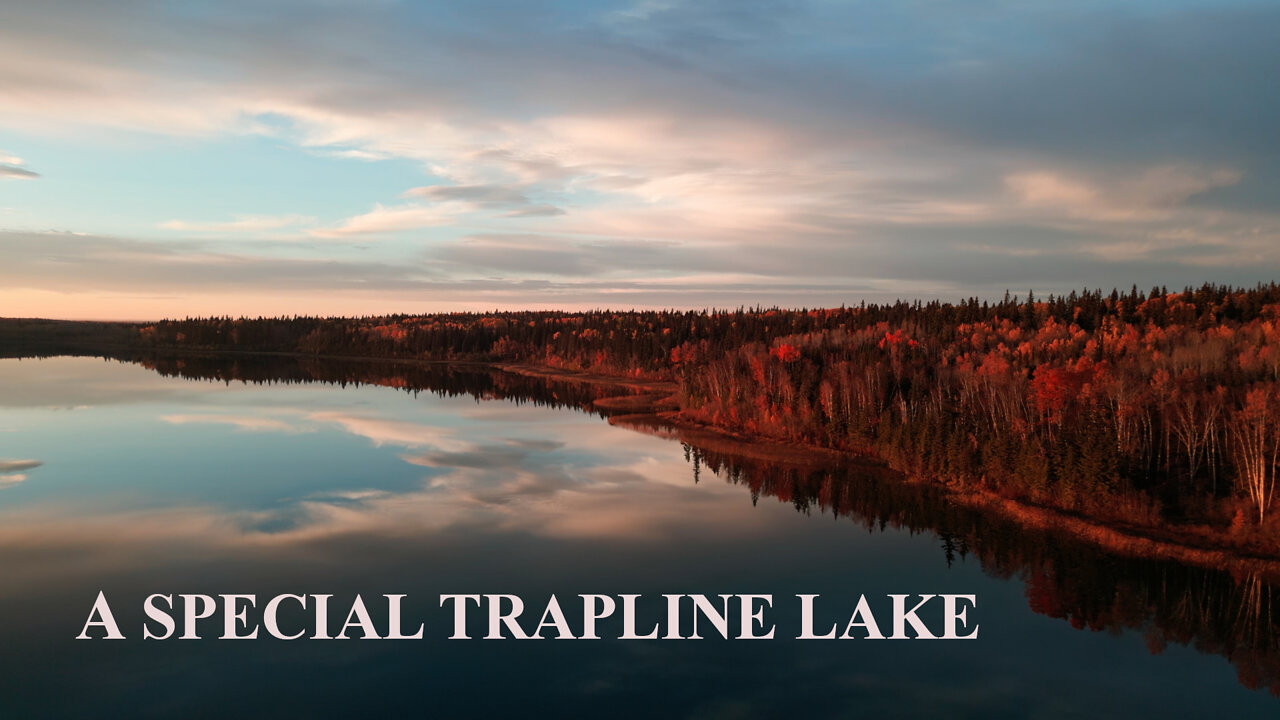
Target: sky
{"x": 349, "y": 158}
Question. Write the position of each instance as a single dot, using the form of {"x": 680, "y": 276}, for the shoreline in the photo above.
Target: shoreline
{"x": 649, "y": 405}
{"x": 647, "y": 410}
{"x": 1152, "y": 543}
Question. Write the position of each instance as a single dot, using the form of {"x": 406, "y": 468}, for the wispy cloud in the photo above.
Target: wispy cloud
{"x": 480, "y": 195}
{"x": 397, "y": 433}
{"x": 11, "y": 471}
{"x": 535, "y": 211}
{"x": 1154, "y": 193}
{"x": 248, "y": 423}
{"x": 382, "y": 220}
{"x": 242, "y": 224}
{"x": 11, "y": 168}
{"x": 11, "y": 466}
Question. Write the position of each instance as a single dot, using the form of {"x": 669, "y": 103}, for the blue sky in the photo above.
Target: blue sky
{"x": 350, "y": 158}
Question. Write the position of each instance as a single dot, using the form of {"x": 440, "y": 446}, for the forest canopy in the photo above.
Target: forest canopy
{"x": 1146, "y": 406}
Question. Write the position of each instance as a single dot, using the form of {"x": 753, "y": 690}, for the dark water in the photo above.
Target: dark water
{"x": 343, "y": 478}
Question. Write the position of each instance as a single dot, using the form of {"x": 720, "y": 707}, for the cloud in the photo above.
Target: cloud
{"x": 530, "y": 254}
{"x": 11, "y": 168}
{"x": 535, "y": 444}
{"x": 480, "y": 195}
{"x": 68, "y": 262}
{"x": 11, "y": 471}
{"x": 248, "y": 423}
{"x": 393, "y": 432}
{"x": 685, "y": 152}
{"x": 488, "y": 457}
{"x": 12, "y": 466}
{"x": 643, "y": 492}
{"x": 1154, "y": 193}
{"x": 245, "y": 223}
{"x": 487, "y": 197}
{"x": 382, "y": 220}
{"x": 511, "y": 453}
{"x": 535, "y": 211}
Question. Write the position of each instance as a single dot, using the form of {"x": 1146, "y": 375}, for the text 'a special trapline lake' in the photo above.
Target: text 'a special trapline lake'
{"x": 275, "y": 475}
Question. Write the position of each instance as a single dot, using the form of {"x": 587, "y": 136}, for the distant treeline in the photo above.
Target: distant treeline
{"x": 443, "y": 380}
{"x": 1143, "y": 406}
{"x": 35, "y": 337}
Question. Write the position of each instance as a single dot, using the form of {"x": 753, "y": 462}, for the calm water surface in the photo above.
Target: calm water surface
{"x": 394, "y": 479}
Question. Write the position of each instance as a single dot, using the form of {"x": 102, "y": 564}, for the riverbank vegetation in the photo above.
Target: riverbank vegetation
{"x": 1154, "y": 409}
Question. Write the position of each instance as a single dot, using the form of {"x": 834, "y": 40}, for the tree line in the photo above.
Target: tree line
{"x": 1144, "y": 406}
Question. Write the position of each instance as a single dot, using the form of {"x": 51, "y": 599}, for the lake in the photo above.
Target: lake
{"x": 265, "y": 476}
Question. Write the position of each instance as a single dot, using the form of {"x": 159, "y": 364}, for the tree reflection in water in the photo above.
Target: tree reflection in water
{"x": 1232, "y": 614}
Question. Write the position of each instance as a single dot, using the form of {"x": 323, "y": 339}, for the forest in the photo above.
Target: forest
{"x": 1154, "y": 409}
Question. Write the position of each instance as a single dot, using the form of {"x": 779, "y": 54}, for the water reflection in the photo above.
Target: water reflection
{"x": 261, "y": 475}
{"x": 1233, "y": 615}
{"x": 13, "y": 472}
